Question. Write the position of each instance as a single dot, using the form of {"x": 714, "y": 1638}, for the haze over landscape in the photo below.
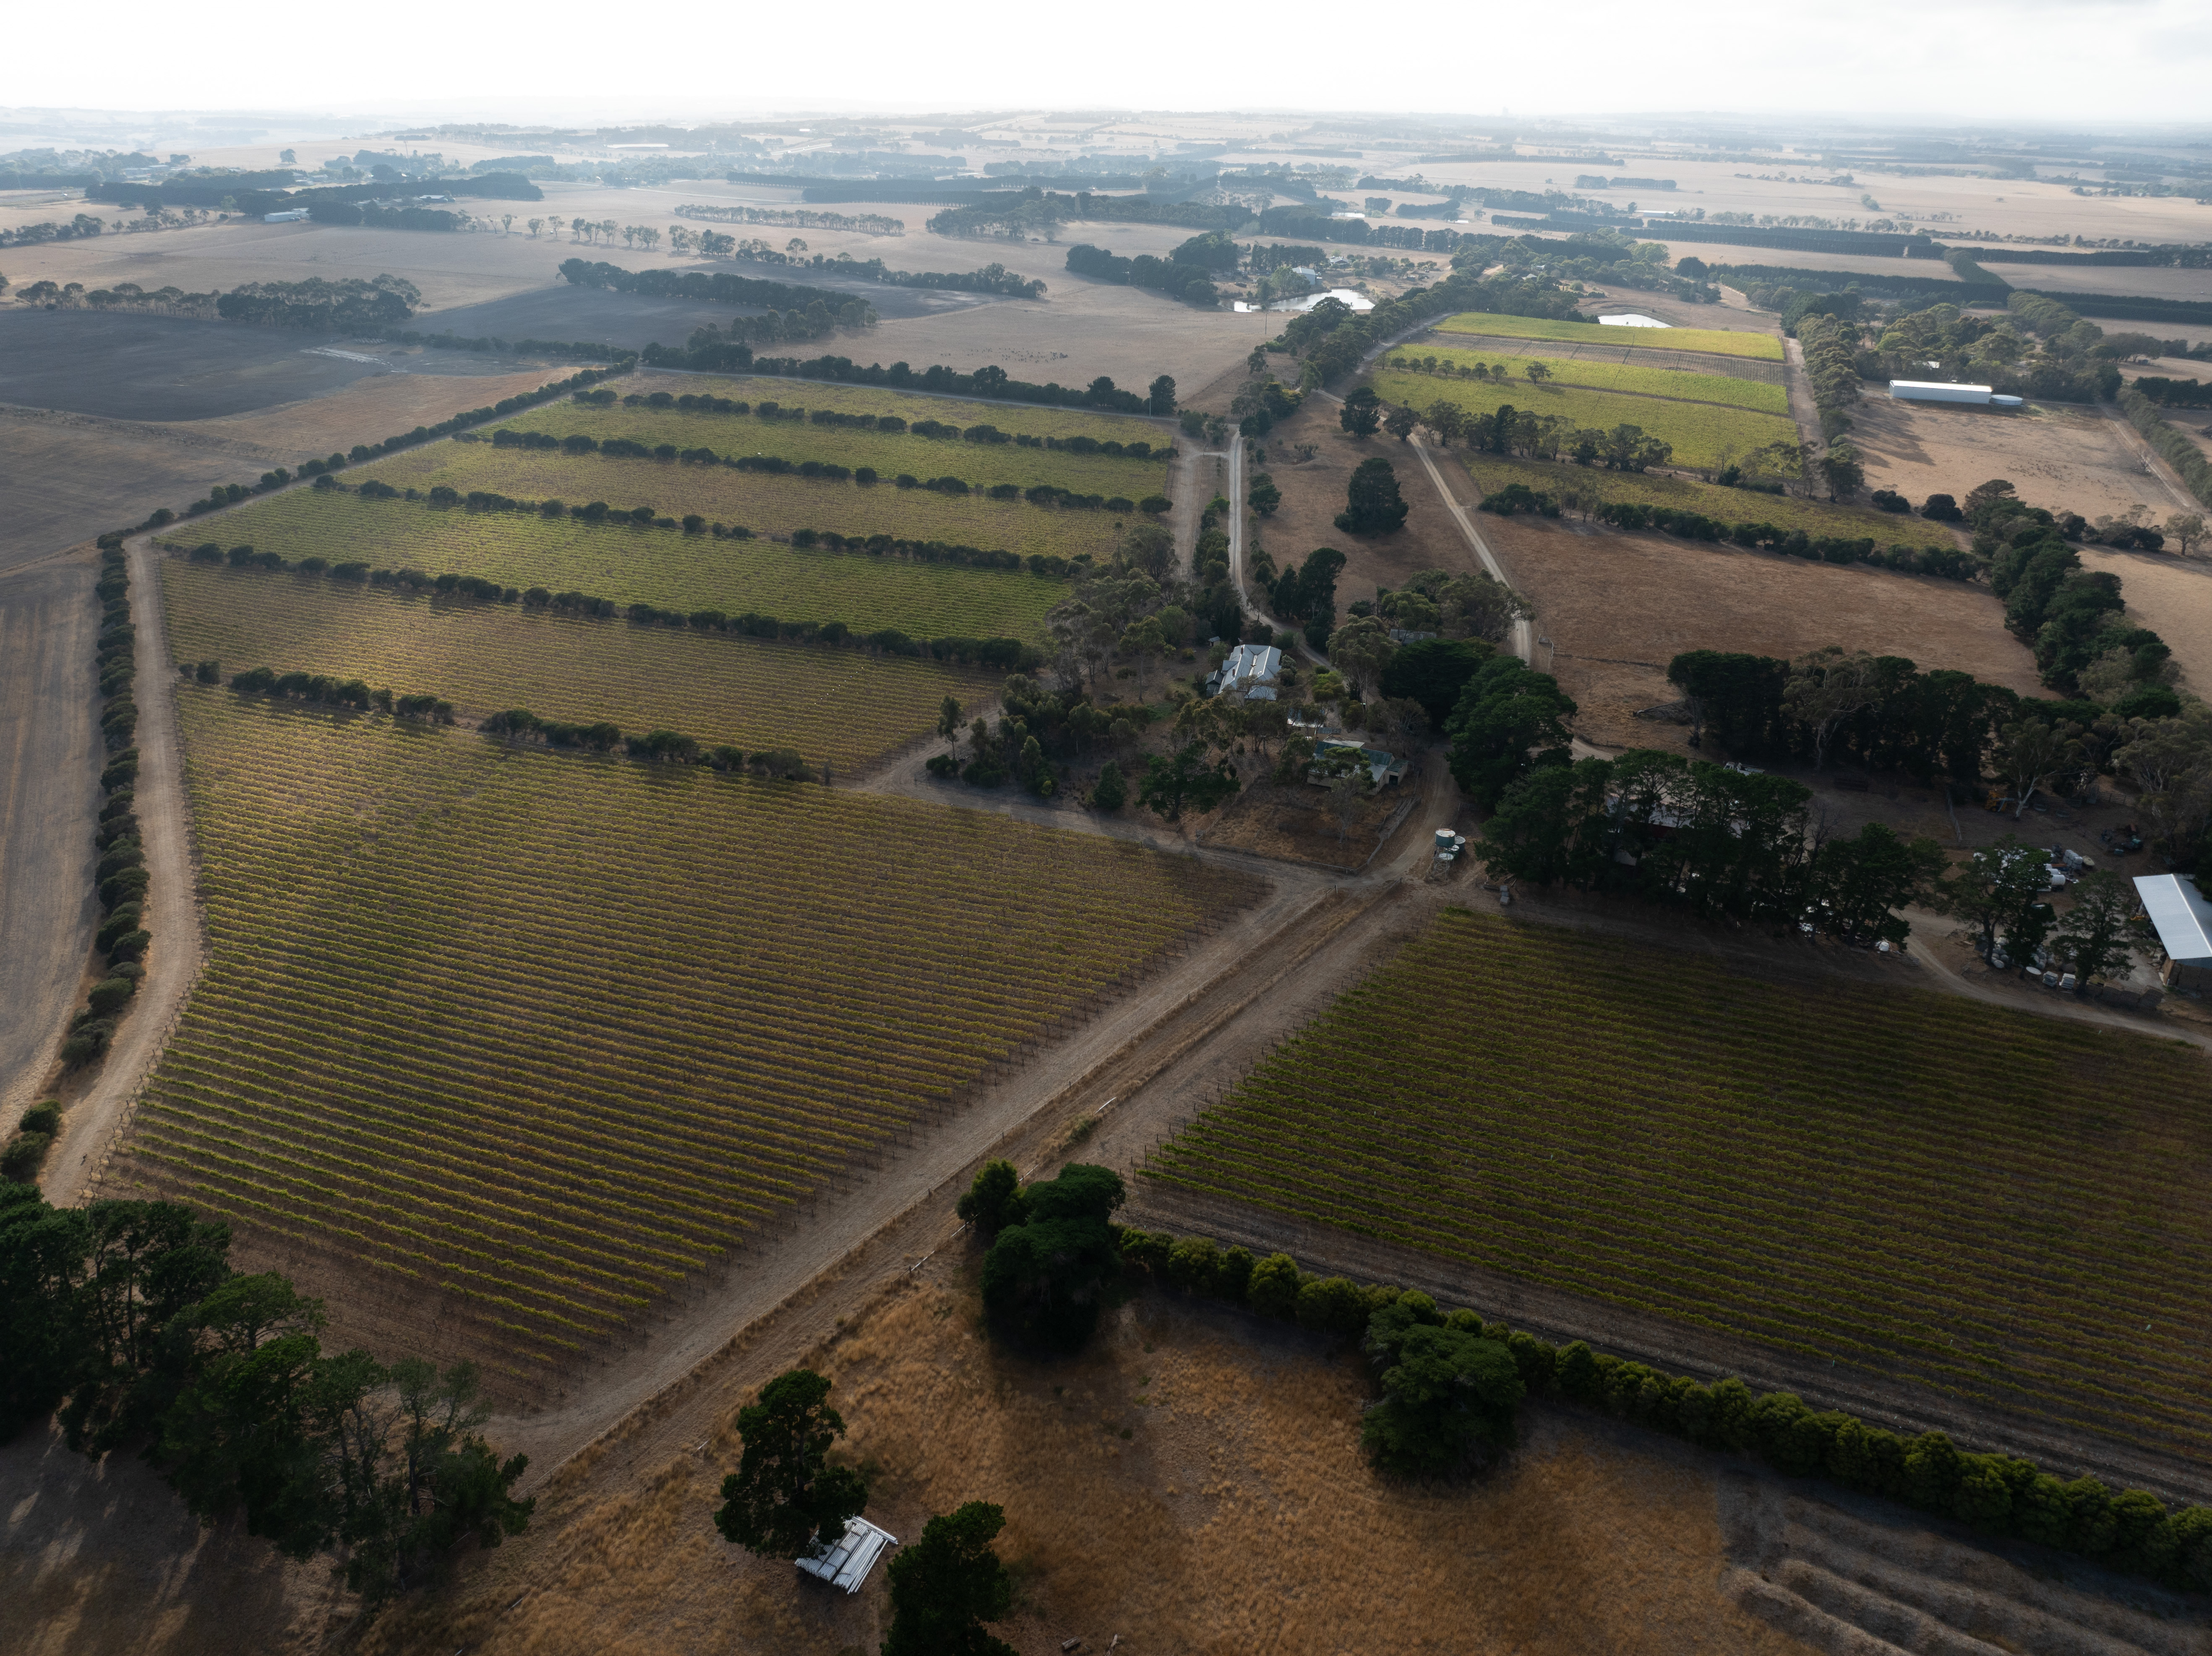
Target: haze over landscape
{"x": 797, "y": 862}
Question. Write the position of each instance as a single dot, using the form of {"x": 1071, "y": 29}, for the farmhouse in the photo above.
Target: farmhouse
{"x": 1249, "y": 669}
{"x": 2183, "y": 922}
{"x": 1936, "y": 391}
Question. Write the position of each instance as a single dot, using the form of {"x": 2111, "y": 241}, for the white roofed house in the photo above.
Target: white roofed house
{"x": 1249, "y": 672}
{"x": 2183, "y": 919}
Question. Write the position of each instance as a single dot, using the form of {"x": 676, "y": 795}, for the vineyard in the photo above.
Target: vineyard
{"x": 1816, "y": 518}
{"x": 1030, "y": 419}
{"x": 631, "y": 563}
{"x": 1719, "y": 341}
{"x": 1699, "y": 432}
{"x": 982, "y": 464}
{"x": 838, "y": 705}
{"x": 463, "y": 1021}
{"x": 763, "y": 502}
{"x": 1731, "y": 388}
{"x": 2005, "y": 1206}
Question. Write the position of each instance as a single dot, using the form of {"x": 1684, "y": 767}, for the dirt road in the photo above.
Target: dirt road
{"x": 1524, "y": 632}
{"x": 173, "y": 910}
{"x": 50, "y": 745}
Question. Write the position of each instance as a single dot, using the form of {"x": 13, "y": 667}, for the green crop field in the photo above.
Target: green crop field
{"x": 840, "y": 705}
{"x": 1699, "y": 432}
{"x": 1733, "y": 506}
{"x": 760, "y": 502}
{"x": 1719, "y": 341}
{"x": 1762, "y": 396}
{"x": 2006, "y": 1206}
{"x": 634, "y": 564}
{"x": 538, "y": 1036}
{"x": 1030, "y": 419}
{"x": 982, "y": 465}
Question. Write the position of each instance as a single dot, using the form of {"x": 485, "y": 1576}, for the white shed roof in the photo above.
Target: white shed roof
{"x": 2179, "y": 912}
{"x": 847, "y": 1564}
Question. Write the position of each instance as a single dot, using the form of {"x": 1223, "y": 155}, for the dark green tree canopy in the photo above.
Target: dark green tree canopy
{"x": 947, "y": 1585}
{"x": 784, "y": 1499}
{"x": 1045, "y": 1278}
{"x": 1433, "y": 671}
{"x": 1373, "y": 505}
{"x": 1509, "y": 720}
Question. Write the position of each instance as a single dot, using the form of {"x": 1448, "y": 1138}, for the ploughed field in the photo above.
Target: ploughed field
{"x": 1720, "y": 341}
{"x": 1450, "y": 366}
{"x": 634, "y": 563}
{"x": 2005, "y": 1207}
{"x": 535, "y": 1036}
{"x": 840, "y": 705}
{"x": 765, "y": 502}
{"x": 1492, "y": 472}
{"x": 1701, "y": 432}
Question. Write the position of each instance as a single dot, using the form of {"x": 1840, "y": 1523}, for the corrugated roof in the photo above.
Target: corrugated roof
{"x": 847, "y": 1564}
{"x": 2179, "y": 912}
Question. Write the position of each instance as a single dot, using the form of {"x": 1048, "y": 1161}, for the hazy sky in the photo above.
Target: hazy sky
{"x": 2100, "y": 62}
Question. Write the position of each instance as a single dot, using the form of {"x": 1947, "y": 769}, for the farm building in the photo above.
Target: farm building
{"x": 2183, "y": 922}
{"x": 1251, "y": 669}
{"x": 1936, "y": 391}
{"x": 292, "y": 216}
{"x": 847, "y": 1564}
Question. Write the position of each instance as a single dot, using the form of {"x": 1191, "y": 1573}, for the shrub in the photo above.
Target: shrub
{"x": 1193, "y": 1262}
{"x": 44, "y": 1116}
{"x": 1333, "y": 1305}
{"x": 130, "y": 945}
{"x": 21, "y": 1160}
{"x": 109, "y": 995}
{"x": 1111, "y": 791}
{"x": 1272, "y": 1290}
{"x": 993, "y": 1200}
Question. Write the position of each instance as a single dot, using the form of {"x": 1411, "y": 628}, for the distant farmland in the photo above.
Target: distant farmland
{"x": 2004, "y": 1206}
{"x": 1719, "y": 341}
{"x": 537, "y": 1036}
{"x": 1760, "y": 396}
{"x": 1699, "y": 432}
{"x": 634, "y": 564}
{"x": 841, "y": 705}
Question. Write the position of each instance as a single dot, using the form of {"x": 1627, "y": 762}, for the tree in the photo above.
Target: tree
{"x": 42, "y": 1251}
{"x": 1111, "y": 791}
{"x": 1826, "y": 688}
{"x": 1842, "y": 470}
{"x": 1373, "y": 505}
{"x": 1263, "y": 497}
{"x": 2001, "y": 890}
{"x": 2185, "y": 528}
{"x": 1144, "y": 640}
{"x": 1538, "y": 372}
{"x": 1044, "y": 1278}
{"x": 1864, "y": 879}
{"x": 1350, "y": 782}
{"x": 1361, "y": 650}
{"x": 1448, "y": 1393}
{"x": 1448, "y": 421}
{"x": 947, "y": 1585}
{"x": 1432, "y": 671}
{"x": 948, "y": 719}
{"x": 784, "y": 1499}
{"x": 1508, "y": 721}
{"x": 993, "y": 1200}
{"x": 1400, "y": 423}
{"x": 1257, "y": 362}
{"x": 2030, "y": 753}
{"x": 1170, "y": 783}
{"x": 2095, "y": 935}
{"x": 1362, "y": 414}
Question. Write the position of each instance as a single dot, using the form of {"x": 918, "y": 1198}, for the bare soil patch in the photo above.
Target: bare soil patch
{"x": 2063, "y": 459}
{"x": 2172, "y": 597}
{"x": 1294, "y": 821}
{"x": 1314, "y": 493}
{"x": 1615, "y": 609}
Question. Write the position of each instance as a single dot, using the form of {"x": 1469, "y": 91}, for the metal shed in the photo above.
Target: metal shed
{"x": 1939, "y": 391}
{"x": 847, "y": 1564}
{"x": 2184, "y": 923}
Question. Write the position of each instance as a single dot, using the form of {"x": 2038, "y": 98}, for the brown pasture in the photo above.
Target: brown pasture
{"x": 2062, "y": 457}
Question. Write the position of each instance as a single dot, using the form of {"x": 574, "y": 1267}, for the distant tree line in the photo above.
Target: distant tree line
{"x": 255, "y": 194}
{"x": 128, "y": 1320}
{"x": 1334, "y": 339}
{"x": 891, "y": 424}
{"x": 1038, "y": 211}
{"x": 798, "y": 218}
{"x": 349, "y": 305}
{"x": 1191, "y": 283}
{"x": 992, "y": 383}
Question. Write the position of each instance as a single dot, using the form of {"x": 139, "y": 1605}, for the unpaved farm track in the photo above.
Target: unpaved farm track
{"x": 92, "y": 1124}
{"x": 50, "y": 745}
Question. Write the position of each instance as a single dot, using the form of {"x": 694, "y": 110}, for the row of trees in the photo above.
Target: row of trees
{"x": 1188, "y": 281}
{"x": 128, "y": 1318}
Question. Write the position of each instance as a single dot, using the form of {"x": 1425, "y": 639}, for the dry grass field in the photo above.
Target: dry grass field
{"x": 1617, "y": 608}
{"x": 2060, "y": 457}
{"x": 2173, "y": 597}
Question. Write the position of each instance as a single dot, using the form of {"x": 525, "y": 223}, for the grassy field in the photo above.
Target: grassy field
{"x": 1733, "y": 506}
{"x": 766, "y": 504}
{"x": 1998, "y": 1204}
{"x": 1698, "y": 431}
{"x": 839, "y": 704}
{"x": 1719, "y": 341}
{"x": 466, "y": 1022}
{"x": 1030, "y": 419}
{"x": 633, "y": 564}
{"x": 1737, "y": 392}
{"x": 982, "y": 465}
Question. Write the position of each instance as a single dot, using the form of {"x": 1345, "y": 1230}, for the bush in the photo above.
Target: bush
{"x": 1111, "y": 791}
{"x": 44, "y": 1116}
{"x": 1194, "y": 1263}
{"x": 993, "y": 1200}
{"x": 130, "y": 945}
{"x": 1272, "y": 1289}
{"x": 21, "y": 1160}
{"x": 1154, "y": 505}
{"x": 1333, "y": 1305}
{"x": 109, "y": 995}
